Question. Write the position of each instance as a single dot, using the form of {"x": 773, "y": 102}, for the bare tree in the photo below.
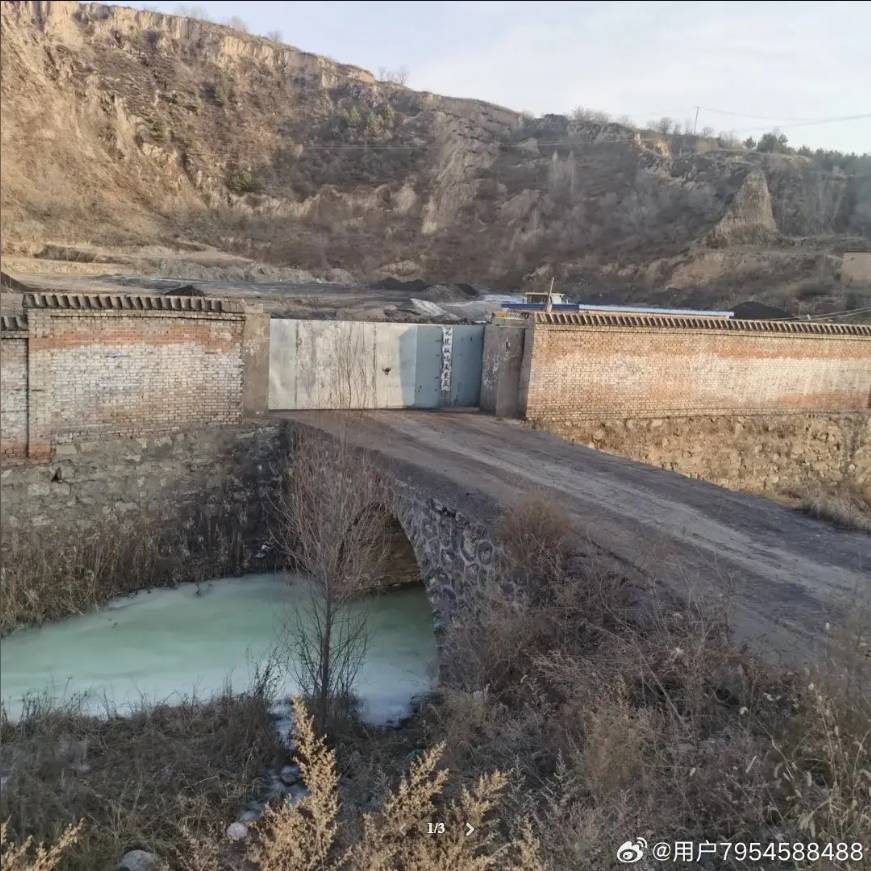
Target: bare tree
{"x": 237, "y": 23}
{"x": 728, "y": 139}
{"x": 663, "y": 125}
{"x": 396, "y": 76}
{"x": 275, "y": 35}
{"x": 581, "y": 113}
{"x": 333, "y": 528}
{"x": 188, "y": 11}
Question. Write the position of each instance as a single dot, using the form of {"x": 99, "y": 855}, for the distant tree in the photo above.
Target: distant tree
{"x": 241, "y": 180}
{"x": 749, "y": 142}
{"x": 625, "y": 120}
{"x": 593, "y": 116}
{"x": 775, "y": 141}
{"x": 217, "y": 92}
{"x": 663, "y": 125}
{"x": 237, "y": 23}
{"x": 275, "y": 35}
{"x": 397, "y": 76}
{"x": 186, "y": 11}
{"x": 707, "y": 132}
{"x": 374, "y": 125}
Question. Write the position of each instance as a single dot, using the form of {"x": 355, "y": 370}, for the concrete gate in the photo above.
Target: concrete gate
{"x": 353, "y": 364}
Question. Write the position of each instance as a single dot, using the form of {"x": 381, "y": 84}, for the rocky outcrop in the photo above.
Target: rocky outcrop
{"x": 130, "y": 128}
{"x": 749, "y": 217}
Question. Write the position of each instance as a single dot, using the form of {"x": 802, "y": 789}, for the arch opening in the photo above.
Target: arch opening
{"x": 401, "y": 566}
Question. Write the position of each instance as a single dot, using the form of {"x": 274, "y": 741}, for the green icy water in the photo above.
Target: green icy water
{"x": 167, "y": 644}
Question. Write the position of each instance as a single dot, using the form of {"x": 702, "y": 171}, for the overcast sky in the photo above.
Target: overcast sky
{"x": 788, "y": 63}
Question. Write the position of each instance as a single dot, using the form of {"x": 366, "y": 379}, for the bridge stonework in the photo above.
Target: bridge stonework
{"x": 454, "y": 552}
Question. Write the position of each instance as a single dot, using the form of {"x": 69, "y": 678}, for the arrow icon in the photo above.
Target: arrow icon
{"x": 469, "y": 829}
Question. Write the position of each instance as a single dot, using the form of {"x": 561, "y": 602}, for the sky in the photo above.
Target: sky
{"x": 751, "y": 66}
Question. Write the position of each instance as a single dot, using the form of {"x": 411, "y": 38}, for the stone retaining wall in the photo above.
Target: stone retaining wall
{"x": 769, "y": 453}
{"x": 202, "y": 490}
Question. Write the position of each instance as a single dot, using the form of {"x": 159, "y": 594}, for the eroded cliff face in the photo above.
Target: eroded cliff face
{"x": 123, "y": 127}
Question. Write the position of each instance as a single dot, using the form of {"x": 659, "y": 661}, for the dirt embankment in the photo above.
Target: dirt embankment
{"x": 164, "y": 131}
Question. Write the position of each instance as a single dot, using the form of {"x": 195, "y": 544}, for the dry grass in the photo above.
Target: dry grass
{"x": 308, "y": 835}
{"x": 571, "y": 723}
{"x": 164, "y": 779}
{"x": 615, "y": 728}
{"x": 28, "y": 856}
{"x": 303, "y": 837}
{"x": 845, "y": 507}
{"x": 71, "y": 576}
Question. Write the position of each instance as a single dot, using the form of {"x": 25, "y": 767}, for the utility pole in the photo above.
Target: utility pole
{"x": 549, "y": 305}
{"x": 696, "y": 120}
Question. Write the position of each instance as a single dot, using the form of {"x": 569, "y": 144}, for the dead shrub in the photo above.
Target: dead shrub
{"x": 70, "y": 575}
{"x": 618, "y": 743}
{"x": 823, "y": 768}
{"x": 159, "y": 779}
{"x": 652, "y": 721}
{"x": 846, "y": 508}
{"x": 541, "y": 599}
{"x": 307, "y": 835}
{"x": 303, "y": 837}
{"x": 28, "y": 856}
{"x": 822, "y": 752}
{"x": 534, "y": 542}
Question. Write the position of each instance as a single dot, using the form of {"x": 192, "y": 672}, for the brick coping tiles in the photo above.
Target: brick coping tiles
{"x": 654, "y": 321}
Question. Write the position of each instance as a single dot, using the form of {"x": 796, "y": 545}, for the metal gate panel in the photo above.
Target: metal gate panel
{"x": 355, "y": 364}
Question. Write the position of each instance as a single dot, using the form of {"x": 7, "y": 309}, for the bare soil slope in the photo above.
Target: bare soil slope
{"x": 124, "y": 128}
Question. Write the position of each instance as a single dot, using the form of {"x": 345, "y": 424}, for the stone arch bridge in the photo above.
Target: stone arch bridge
{"x": 781, "y": 575}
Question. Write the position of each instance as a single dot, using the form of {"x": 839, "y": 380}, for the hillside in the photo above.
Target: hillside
{"x": 125, "y": 129}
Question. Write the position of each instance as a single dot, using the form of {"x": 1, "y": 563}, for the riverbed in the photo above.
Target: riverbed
{"x": 168, "y": 644}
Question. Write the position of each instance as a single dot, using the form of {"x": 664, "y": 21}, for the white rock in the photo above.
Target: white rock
{"x": 237, "y": 831}
{"x": 140, "y": 860}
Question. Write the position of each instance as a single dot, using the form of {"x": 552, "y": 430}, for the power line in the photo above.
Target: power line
{"x": 828, "y": 315}
{"x": 848, "y": 313}
{"x": 804, "y": 123}
{"x": 760, "y": 117}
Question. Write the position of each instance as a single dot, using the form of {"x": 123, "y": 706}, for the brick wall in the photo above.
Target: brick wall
{"x": 13, "y": 393}
{"x": 117, "y": 372}
{"x": 598, "y": 366}
{"x": 79, "y": 367}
